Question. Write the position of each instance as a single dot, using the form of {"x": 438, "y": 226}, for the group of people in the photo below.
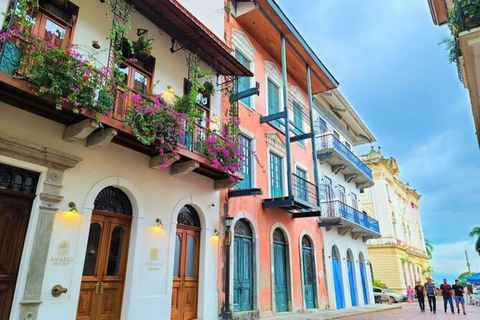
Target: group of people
{"x": 447, "y": 291}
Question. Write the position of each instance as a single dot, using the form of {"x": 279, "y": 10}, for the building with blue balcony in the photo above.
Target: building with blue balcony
{"x": 343, "y": 176}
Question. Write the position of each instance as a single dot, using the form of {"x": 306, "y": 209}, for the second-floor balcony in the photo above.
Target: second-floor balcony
{"x": 338, "y": 214}
{"x": 332, "y": 151}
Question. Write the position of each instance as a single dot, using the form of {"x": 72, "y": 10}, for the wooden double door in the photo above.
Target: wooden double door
{"x": 103, "y": 280}
{"x": 14, "y": 216}
{"x": 185, "y": 273}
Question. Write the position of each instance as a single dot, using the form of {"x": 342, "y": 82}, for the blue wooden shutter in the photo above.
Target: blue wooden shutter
{"x": 276, "y": 179}
{"x": 298, "y": 120}
{"x": 243, "y": 82}
{"x": 274, "y": 102}
{"x": 246, "y": 168}
{"x": 302, "y": 190}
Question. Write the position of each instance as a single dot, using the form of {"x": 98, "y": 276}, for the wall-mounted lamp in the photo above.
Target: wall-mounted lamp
{"x": 159, "y": 222}
{"x": 95, "y": 44}
{"x": 216, "y": 232}
{"x": 73, "y": 207}
{"x": 141, "y": 32}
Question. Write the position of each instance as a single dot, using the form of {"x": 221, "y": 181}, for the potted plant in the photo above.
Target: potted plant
{"x": 143, "y": 47}
{"x": 465, "y": 15}
{"x": 208, "y": 89}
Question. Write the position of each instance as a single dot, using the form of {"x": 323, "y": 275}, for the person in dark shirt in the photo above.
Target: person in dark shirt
{"x": 458, "y": 291}
{"x": 431, "y": 295}
{"x": 420, "y": 292}
{"x": 447, "y": 295}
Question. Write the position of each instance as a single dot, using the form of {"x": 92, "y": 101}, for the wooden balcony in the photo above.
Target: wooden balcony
{"x": 83, "y": 126}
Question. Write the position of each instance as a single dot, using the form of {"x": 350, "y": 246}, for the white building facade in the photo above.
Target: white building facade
{"x": 345, "y": 228}
{"x": 138, "y": 240}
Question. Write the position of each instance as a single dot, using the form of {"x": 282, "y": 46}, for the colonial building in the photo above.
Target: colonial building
{"x": 463, "y": 19}
{"x": 399, "y": 257}
{"x": 345, "y": 227}
{"x": 95, "y": 221}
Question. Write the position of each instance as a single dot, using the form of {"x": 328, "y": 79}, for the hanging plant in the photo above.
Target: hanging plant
{"x": 143, "y": 47}
{"x": 208, "y": 89}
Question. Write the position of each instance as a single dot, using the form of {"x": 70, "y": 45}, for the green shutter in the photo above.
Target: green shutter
{"x": 276, "y": 179}
{"x": 244, "y": 82}
{"x": 298, "y": 120}
{"x": 246, "y": 168}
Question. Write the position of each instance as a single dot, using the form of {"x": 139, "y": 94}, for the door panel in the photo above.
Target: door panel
{"x": 242, "y": 278}
{"x": 14, "y": 215}
{"x": 351, "y": 279}
{"x": 281, "y": 294}
{"x": 308, "y": 274}
{"x": 185, "y": 277}
{"x": 337, "y": 277}
{"x": 102, "y": 286}
{"x": 364, "y": 283}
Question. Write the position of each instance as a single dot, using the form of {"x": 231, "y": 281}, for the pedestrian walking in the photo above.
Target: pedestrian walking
{"x": 420, "y": 292}
{"x": 431, "y": 295}
{"x": 457, "y": 289}
{"x": 447, "y": 295}
{"x": 410, "y": 293}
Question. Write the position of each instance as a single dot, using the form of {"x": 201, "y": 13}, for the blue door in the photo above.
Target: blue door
{"x": 243, "y": 267}
{"x": 364, "y": 282}
{"x": 280, "y": 270}
{"x": 351, "y": 280}
{"x": 337, "y": 278}
{"x": 308, "y": 273}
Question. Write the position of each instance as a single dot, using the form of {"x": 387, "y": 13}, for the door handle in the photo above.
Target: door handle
{"x": 101, "y": 287}
{"x": 96, "y": 285}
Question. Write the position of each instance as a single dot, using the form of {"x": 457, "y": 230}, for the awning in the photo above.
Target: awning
{"x": 475, "y": 278}
{"x": 181, "y": 25}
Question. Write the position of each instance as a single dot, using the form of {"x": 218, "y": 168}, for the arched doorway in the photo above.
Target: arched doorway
{"x": 308, "y": 273}
{"x": 17, "y": 192}
{"x": 243, "y": 267}
{"x": 351, "y": 278}
{"x": 280, "y": 271}
{"x": 363, "y": 276}
{"x": 103, "y": 280}
{"x": 185, "y": 267}
{"x": 337, "y": 278}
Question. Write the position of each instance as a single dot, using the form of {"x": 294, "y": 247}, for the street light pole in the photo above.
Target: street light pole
{"x": 227, "y": 313}
{"x": 468, "y": 263}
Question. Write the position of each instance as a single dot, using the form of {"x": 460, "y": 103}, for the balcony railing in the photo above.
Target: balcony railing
{"x": 338, "y": 209}
{"x": 466, "y": 15}
{"x": 304, "y": 190}
{"x": 329, "y": 141}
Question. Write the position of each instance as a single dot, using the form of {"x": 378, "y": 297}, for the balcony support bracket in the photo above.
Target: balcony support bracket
{"x": 80, "y": 130}
{"x": 184, "y": 168}
{"x": 350, "y": 177}
{"x": 273, "y": 117}
{"x": 301, "y": 137}
{"x": 337, "y": 168}
{"x": 343, "y": 230}
{"x": 163, "y": 161}
{"x": 101, "y": 138}
{"x": 223, "y": 184}
{"x": 356, "y": 235}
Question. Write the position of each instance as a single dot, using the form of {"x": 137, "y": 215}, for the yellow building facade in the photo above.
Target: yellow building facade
{"x": 399, "y": 258}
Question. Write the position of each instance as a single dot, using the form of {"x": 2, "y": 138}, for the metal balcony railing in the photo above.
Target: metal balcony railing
{"x": 304, "y": 190}
{"x": 468, "y": 14}
{"x": 338, "y": 209}
{"x": 329, "y": 141}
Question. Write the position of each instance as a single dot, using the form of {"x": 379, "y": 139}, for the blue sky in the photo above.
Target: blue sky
{"x": 386, "y": 56}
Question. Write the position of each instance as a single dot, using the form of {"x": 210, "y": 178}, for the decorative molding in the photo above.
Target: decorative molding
{"x": 276, "y": 143}
{"x": 241, "y": 41}
{"x": 297, "y": 94}
{"x": 273, "y": 73}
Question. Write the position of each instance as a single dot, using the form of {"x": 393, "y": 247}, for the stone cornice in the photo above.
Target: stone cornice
{"x": 34, "y": 153}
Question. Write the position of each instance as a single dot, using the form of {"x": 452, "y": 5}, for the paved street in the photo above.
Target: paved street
{"x": 412, "y": 312}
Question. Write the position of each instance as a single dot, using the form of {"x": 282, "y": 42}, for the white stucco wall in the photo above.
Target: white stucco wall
{"x": 154, "y": 194}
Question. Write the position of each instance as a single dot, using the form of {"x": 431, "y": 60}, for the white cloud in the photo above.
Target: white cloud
{"x": 449, "y": 258}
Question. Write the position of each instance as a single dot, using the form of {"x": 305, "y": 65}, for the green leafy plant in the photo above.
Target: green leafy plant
{"x": 476, "y": 232}
{"x": 464, "y": 15}
{"x": 143, "y": 47}
{"x": 429, "y": 248}
{"x": 378, "y": 283}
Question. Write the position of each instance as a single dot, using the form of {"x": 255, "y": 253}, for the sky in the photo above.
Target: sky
{"x": 387, "y": 58}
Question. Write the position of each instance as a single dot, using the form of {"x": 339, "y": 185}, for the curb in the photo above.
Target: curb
{"x": 361, "y": 313}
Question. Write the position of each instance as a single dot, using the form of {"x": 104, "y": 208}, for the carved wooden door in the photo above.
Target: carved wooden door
{"x": 185, "y": 273}
{"x": 14, "y": 215}
{"x": 103, "y": 278}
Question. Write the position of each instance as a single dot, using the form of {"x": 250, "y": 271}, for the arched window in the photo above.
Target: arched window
{"x": 113, "y": 200}
{"x": 188, "y": 216}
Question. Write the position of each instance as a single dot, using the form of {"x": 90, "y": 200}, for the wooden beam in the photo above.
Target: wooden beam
{"x": 101, "y": 138}
{"x": 80, "y": 130}
{"x": 336, "y": 168}
{"x": 356, "y": 235}
{"x": 223, "y": 184}
{"x": 350, "y": 177}
{"x": 163, "y": 161}
{"x": 343, "y": 230}
{"x": 183, "y": 168}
